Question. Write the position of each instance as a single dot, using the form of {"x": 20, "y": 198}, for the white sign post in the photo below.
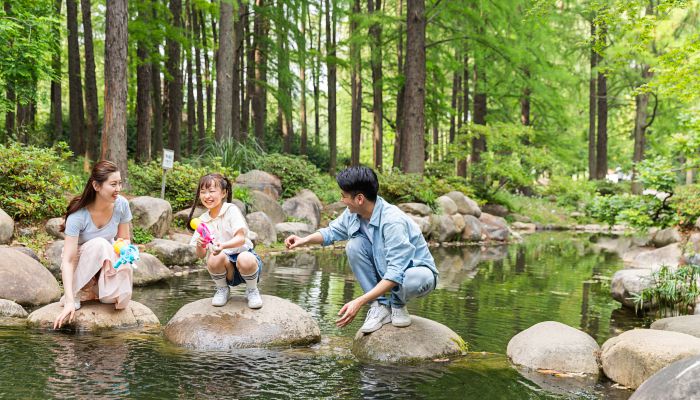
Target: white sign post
{"x": 168, "y": 157}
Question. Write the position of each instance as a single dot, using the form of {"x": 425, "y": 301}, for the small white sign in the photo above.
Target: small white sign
{"x": 168, "y": 157}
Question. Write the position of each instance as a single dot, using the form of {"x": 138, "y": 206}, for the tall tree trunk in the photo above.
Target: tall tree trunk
{"x": 91, "y": 108}
{"x": 143, "y": 99}
{"x": 316, "y": 71}
{"x": 56, "y": 100}
{"x": 191, "y": 114}
{"x": 454, "y": 113}
{"x": 259, "y": 103}
{"x": 355, "y": 87}
{"x": 398, "y": 137}
{"x": 207, "y": 77}
{"x": 24, "y": 121}
{"x": 116, "y": 44}
{"x": 284, "y": 97}
{"x": 375, "y": 32}
{"x": 236, "y": 75}
{"x": 75, "y": 86}
{"x": 464, "y": 111}
{"x": 640, "y": 127}
{"x": 479, "y": 142}
{"x": 602, "y": 137}
{"x": 331, "y": 65}
{"x": 157, "y": 134}
{"x": 224, "y": 66}
{"x": 200, "y": 85}
{"x": 175, "y": 83}
{"x": 525, "y": 100}
{"x": 592, "y": 100}
{"x": 302, "y": 79}
{"x": 249, "y": 77}
{"x": 412, "y": 156}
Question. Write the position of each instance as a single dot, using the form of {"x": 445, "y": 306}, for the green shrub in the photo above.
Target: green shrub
{"x": 686, "y": 204}
{"x": 295, "y": 172}
{"x": 181, "y": 183}
{"x": 141, "y": 236}
{"x": 672, "y": 293}
{"x": 567, "y": 192}
{"x": 637, "y": 211}
{"x": 33, "y": 182}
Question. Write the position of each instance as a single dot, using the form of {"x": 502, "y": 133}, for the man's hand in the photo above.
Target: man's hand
{"x": 294, "y": 241}
{"x": 348, "y": 312}
{"x": 68, "y": 309}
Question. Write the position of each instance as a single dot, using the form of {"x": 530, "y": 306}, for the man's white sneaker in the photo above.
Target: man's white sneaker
{"x": 220, "y": 297}
{"x": 400, "y": 317}
{"x": 377, "y": 316}
{"x": 254, "y": 298}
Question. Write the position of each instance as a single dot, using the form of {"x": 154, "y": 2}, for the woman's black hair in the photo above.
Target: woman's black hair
{"x": 207, "y": 181}
{"x": 358, "y": 179}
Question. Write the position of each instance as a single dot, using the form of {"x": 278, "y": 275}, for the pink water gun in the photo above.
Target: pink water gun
{"x": 203, "y": 230}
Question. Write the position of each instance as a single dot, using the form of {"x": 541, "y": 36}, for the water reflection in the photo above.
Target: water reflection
{"x": 486, "y": 295}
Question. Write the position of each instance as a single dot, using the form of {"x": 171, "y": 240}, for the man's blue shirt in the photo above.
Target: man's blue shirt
{"x": 397, "y": 242}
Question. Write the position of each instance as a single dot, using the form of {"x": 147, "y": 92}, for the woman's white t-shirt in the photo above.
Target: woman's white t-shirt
{"x": 225, "y": 226}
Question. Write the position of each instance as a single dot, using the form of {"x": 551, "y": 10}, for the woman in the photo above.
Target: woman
{"x": 93, "y": 221}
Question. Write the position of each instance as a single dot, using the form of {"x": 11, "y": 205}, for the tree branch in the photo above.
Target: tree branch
{"x": 653, "y": 114}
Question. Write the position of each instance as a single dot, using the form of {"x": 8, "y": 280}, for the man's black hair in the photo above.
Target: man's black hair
{"x": 356, "y": 180}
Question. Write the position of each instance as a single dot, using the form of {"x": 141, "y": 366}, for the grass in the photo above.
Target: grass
{"x": 539, "y": 209}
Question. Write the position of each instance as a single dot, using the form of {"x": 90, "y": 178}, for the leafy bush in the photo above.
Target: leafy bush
{"x": 672, "y": 292}
{"x": 141, "y": 235}
{"x": 181, "y": 183}
{"x": 295, "y": 172}
{"x": 236, "y": 156}
{"x": 637, "y": 211}
{"x": 33, "y": 182}
{"x": 686, "y": 203}
{"x": 568, "y": 192}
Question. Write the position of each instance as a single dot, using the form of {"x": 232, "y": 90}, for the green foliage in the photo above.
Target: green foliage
{"x": 657, "y": 174}
{"x": 33, "y": 182}
{"x": 686, "y": 203}
{"x": 181, "y": 183}
{"x": 568, "y": 192}
{"x": 672, "y": 293}
{"x": 637, "y": 211}
{"x": 540, "y": 209}
{"x": 295, "y": 172}
{"x": 397, "y": 187}
{"x": 235, "y": 155}
{"x": 462, "y": 344}
{"x": 141, "y": 236}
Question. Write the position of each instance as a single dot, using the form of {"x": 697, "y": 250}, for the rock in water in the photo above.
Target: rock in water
{"x": 94, "y": 316}
{"x": 279, "y": 322}
{"x": 678, "y": 381}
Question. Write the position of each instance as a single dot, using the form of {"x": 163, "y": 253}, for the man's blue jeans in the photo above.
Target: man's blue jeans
{"x": 417, "y": 282}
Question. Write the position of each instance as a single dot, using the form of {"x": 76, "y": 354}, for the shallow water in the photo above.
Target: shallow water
{"x": 486, "y": 295}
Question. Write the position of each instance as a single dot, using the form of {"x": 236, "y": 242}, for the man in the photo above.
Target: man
{"x": 385, "y": 248}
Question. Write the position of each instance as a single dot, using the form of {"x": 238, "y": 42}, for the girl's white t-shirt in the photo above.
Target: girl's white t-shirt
{"x": 225, "y": 226}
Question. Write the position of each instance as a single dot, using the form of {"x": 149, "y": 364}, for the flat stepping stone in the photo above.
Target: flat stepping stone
{"x": 279, "y": 322}
{"x": 424, "y": 339}
{"x": 688, "y": 324}
{"x": 554, "y": 346}
{"x": 678, "y": 381}
{"x": 94, "y": 316}
{"x": 634, "y": 356}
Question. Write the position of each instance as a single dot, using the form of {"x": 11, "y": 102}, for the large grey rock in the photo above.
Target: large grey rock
{"x": 494, "y": 227}
{"x": 263, "y": 202}
{"x": 25, "y": 281}
{"x": 472, "y": 231}
{"x": 443, "y": 228}
{"x": 261, "y": 181}
{"x": 333, "y": 210}
{"x": 626, "y": 283}
{"x": 666, "y": 236}
{"x": 553, "y": 345}
{"x": 424, "y": 339}
{"x": 53, "y": 255}
{"x": 447, "y": 205}
{"x": 152, "y": 214}
{"x": 688, "y": 324}
{"x": 634, "y": 356}
{"x": 305, "y": 207}
{"x": 94, "y": 316}
{"x": 458, "y": 219}
{"x": 677, "y": 381}
{"x": 261, "y": 224}
{"x": 464, "y": 204}
{"x": 279, "y": 322}
{"x": 422, "y": 222}
{"x": 292, "y": 228}
{"x": 653, "y": 259}
{"x": 524, "y": 226}
{"x": 150, "y": 270}
{"x": 7, "y": 227}
{"x": 184, "y": 215}
{"x": 183, "y": 238}
{"x": 27, "y": 251}
{"x": 9, "y": 308}
{"x": 241, "y": 206}
{"x": 418, "y": 209}
{"x": 172, "y": 253}
{"x": 495, "y": 209}
{"x": 53, "y": 227}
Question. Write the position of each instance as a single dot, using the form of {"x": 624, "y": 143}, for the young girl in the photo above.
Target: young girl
{"x": 231, "y": 259}
{"x": 93, "y": 220}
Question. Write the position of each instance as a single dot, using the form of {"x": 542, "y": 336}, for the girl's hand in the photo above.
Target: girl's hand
{"x": 216, "y": 249}
{"x": 200, "y": 242}
{"x": 68, "y": 309}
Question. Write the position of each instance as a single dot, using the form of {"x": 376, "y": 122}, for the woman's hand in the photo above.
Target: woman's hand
{"x": 68, "y": 310}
